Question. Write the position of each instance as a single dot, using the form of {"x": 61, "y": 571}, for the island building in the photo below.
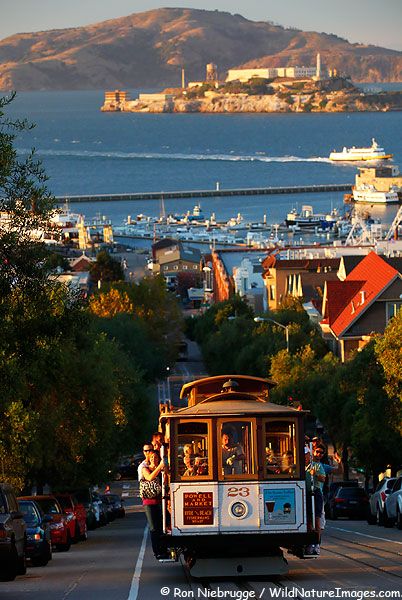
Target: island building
{"x": 116, "y": 100}
{"x": 211, "y": 77}
{"x": 244, "y": 75}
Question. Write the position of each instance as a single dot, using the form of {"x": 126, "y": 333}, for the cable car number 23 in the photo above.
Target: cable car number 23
{"x": 238, "y": 491}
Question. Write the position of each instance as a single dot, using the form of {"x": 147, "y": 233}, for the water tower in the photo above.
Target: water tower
{"x": 212, "y": 73}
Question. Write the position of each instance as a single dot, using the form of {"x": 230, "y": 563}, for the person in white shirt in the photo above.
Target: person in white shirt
{"x": 146, "y": 450}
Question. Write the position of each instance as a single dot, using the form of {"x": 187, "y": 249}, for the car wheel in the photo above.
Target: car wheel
{"x": 387, "y": 522}
{"x": 380, "y": 516}
{"x": 40, "y": 561}
{"x": 22, "y": 565}
{"x": 399, "y": 519}
{"x": 65, "y": 547}
{"x": 9, "y": 570}
{"x": 77, "y": 534}
{"x": 84, "y": 535}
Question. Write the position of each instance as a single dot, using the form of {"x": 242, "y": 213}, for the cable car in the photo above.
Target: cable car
{"x": 236, "y": 490}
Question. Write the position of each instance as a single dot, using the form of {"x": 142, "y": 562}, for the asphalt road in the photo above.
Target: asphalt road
{"x": 116, "y": 563}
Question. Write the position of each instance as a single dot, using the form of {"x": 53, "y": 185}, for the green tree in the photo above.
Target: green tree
{"x": 106, "y": 268}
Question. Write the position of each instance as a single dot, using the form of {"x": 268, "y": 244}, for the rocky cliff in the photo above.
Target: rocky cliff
{"x": 148, "y": 50}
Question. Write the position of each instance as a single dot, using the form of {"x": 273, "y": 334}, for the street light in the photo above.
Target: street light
{"x": 285, "y": 327}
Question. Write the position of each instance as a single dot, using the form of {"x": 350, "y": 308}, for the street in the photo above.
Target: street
{"x": 116, "y": 563}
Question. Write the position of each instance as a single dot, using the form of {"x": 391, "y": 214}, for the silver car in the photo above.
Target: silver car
{"x": 393, "y": 506}
{"x": 377, "y": 501}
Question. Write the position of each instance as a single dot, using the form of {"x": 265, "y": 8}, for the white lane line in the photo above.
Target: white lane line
{"x": 135, "y": 582}
{"x": 373, "y": 537}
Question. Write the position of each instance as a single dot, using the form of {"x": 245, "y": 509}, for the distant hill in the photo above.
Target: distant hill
{"x": 148, "y": 49}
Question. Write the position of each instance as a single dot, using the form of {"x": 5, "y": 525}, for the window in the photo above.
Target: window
{"x": 392, "y": 309}
{"x": 195, "y": 267}
{"x": 280, "y": 449}
{"x": 236, "y": 449}
{"x": 272, "y": 292}
{"x": 193, "y": 451}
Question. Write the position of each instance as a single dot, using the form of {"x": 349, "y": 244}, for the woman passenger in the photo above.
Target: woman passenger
{"x": 153, "y": 506}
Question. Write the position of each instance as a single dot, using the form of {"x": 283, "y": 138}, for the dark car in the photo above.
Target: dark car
{"x": 12, "y": 535}
{"x": 59, "y": 525}
{"x": 117, "y": 505}
{"x": 333, "y": 488}
{"x": 351, "y": 502}
{"x": 108, "y": 502}
{"x": 39, "y": 544}
{"x": 76, "y": 510}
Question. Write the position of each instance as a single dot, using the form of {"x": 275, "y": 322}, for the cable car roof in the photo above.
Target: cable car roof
{"x": 235, "y": 404}
{"x": 207, "y": 386}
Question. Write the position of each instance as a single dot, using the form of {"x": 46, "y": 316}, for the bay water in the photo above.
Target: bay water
{"x": 85, "y": 151}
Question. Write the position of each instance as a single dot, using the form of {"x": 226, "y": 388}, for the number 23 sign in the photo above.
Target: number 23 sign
{"x": 238, "y": 491}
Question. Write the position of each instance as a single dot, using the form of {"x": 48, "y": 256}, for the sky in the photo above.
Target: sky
{"x": 366, "y": 21}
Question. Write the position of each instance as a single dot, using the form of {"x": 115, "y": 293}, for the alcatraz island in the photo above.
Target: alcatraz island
{"x": 260, "y": 90}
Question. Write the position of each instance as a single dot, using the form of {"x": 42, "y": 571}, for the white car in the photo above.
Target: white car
{"x": 393, "y": 506}
{"x": 377, "y": 500}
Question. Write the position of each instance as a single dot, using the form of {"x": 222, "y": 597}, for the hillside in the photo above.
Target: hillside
{"x": 148, "y": 49}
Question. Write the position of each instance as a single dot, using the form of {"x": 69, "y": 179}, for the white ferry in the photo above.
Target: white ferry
{"x": 361, "y": 154}
{"x": 370, "y": 195}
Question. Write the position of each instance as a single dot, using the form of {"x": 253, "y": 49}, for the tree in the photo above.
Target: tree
{"x": 106, "y": 268}
{"x": 388, "y": 350}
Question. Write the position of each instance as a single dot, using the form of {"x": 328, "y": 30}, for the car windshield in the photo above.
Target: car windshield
{"x": 49, "y": 506}
{"x": 65, "y": 501}
{"x": 29, "y": 512}
{"x": 351, "y": 492}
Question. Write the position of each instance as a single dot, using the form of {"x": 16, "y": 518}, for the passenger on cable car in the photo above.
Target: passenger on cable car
{"x": 315, "y": 477}
{"x": 288, "y": 466}
{"x": 232, "y": 455}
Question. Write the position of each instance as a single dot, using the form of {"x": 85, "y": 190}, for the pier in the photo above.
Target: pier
{"x": 266, "y": 191}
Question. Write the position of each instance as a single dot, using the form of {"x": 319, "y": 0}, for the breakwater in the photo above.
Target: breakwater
{"x": 266, "y": 191}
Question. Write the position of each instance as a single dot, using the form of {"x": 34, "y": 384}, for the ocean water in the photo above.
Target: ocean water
{"x": 85, "y": 151}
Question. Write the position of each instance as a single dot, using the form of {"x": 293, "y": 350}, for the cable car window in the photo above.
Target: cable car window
{"x": 281, "y": 449}
{"x": 236, "y": 448}
{"x": 192, "y": 450}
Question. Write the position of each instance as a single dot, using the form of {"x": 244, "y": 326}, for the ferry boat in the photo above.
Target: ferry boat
{"x": 375, "y": 152}
{"x": 307, "y": 219}
{"x": 370, "y": 195}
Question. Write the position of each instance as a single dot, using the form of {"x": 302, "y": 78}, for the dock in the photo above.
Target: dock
{"x": 266, "y": 191}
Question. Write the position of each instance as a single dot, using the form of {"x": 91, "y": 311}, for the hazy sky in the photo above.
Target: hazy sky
{"x": 368, "y": 21}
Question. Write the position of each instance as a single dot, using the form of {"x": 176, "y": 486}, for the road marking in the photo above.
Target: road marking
{"x": 135, "y": 582}
{"x": 373, "y": 537}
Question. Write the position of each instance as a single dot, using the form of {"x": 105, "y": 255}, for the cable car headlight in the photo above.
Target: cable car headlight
{"x": 239, "y": 510}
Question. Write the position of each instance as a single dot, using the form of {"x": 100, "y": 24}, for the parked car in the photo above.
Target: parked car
{"x": 117, "y": 505}
{"x": 333, "y": 488}
{"x": 85, "y": 497}
{"x": 108, "y": 502}
{"x": 377, "y": 501}
{"x": 393, "y": 505}
{"x": 12, "y": 535}
{"x": 60, "y": 522}
{"x": 71, "y": 506}
{"x": 101, "y": 513}
{"x": 351, "y": 502}
{"x": 39, "y": 543}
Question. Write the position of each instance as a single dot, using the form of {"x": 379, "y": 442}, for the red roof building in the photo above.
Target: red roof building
{"x": 361, "y": 305}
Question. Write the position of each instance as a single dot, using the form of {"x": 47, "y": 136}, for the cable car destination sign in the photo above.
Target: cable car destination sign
{"x": 198, "y": 508}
